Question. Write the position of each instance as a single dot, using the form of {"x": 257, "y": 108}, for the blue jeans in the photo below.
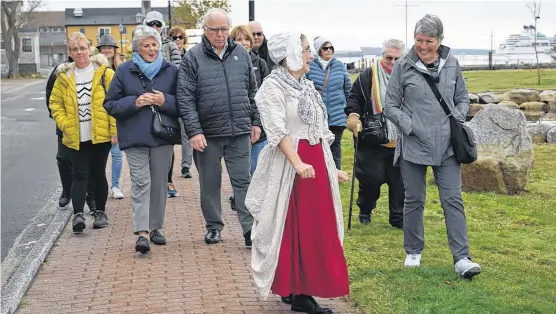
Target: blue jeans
{"x": 255, "y": 151}
{"x": 116, "y": 165}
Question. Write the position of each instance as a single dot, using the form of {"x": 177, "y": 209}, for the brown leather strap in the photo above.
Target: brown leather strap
{"x": 325, "y": 81}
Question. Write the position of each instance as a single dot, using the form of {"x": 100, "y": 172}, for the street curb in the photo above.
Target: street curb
{"x": 16, "y": 287}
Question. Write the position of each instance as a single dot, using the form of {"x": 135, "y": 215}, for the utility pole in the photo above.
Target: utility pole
{"x": 251, "y": 10}
{"x": 406, "y": 5}
{"x": 170, "y": 12}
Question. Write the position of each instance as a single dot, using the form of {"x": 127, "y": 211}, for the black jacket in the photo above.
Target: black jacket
{"x": 216, "y": 96}
{"x": 135, "y": 123}
{"x": 49, "y": 87}
{"x": 359, "y": 101}
{"x": 261, "y": 71}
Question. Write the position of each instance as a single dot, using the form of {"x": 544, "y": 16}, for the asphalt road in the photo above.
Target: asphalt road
{"x": 30, "y": 184}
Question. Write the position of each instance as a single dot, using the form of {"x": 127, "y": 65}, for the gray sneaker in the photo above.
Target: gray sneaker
{"x": 78, "y": 223}
{"x": 467, "y": 269}
{"x": 101, "y": 220}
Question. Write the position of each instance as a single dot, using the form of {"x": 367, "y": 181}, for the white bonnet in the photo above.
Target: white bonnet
{"x": 286, "y": 45}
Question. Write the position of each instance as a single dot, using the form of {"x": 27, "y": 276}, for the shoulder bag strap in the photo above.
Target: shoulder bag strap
{"x": 432, "y": 85}
{"x": 325, "y": 80}
{"x": 102, "y": 79}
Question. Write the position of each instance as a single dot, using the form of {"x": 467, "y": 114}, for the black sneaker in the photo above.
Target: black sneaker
{"x": 233, "y": 203}
{"x": 157, "y": 238}
{"x": 101, "y": 220}
{"x": 78, "y": 224}
{"x": 247, "y": 237}
{"x": 64, "y": 199}
{"x": 365, "y": 219}
{"x": 212, "y": 236}
{"x": 185, "y": 173}
{"x": 142, "y": 245}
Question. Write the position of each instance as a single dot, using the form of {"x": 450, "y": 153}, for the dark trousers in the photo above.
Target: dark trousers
{"x": 171, "y": 167}
{"x": 236, "y": 152}
{"x": 89, "y": 160}
{"x": 63, "y": 159}
{"x": 336, "y": 147}
{"x": 374, "y": 168}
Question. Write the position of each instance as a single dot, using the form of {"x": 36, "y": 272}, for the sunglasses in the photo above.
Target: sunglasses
{"x": 260, "y": 34}
{"x": 390, "y": 58}
{"x": 177, "y": 37}
{"x": 331, "y": 48}
{"x": 154, "y": 23}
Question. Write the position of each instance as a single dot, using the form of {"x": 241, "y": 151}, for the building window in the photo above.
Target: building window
{"x": 82, "y": 30}
{"x": 124, "y": 30}
{"x": 54, "y": 29}
{"x": 26, "y": 45}
{"x": 103, "y": 31}
{"x": 2, "y": 42}
{"x": 44, "y": 29}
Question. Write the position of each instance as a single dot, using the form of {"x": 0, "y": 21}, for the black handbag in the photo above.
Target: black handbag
{"x": 374, "y": 129}
{"x": 461, "y": 136}
{"x": 165, "y": 127}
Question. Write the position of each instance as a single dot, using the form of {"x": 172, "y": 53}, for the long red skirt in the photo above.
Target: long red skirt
{"x": 311, "y": 259}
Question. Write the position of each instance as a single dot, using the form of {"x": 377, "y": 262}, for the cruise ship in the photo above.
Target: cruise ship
{"x": 523, "y": 44}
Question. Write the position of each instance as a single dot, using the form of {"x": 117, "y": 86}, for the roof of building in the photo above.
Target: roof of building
{"x": 46, "y": 18}
{"x": 53, "y": 39}
{"x": 107, "y": 16}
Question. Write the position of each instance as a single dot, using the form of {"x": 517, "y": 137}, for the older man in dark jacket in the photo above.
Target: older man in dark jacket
{"x": 215, "y": 94}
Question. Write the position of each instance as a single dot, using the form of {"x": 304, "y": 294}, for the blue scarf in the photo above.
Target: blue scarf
{"x": 150, "y": 69}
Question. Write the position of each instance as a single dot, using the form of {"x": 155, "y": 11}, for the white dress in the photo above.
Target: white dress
{"x": 269, "y": 192}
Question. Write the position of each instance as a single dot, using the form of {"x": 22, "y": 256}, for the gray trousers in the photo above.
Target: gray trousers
{"x": 149, "y": 174}
{"x": 237, "y": 156}
{"x": 448, "y": 180}
{"x": 186, "y": 150}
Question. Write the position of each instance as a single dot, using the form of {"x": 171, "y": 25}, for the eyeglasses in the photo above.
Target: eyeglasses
{"x": 390, "y": 58}
{"x": 307, "y": 49}
{"x": 331, "y": 48}
{"x": 215, "y": 30}
{"x": 76, "y": 49}
{"x": 259, "y": 34}
{"x": 177, "y": 37}
{"x": 154, "y": 23}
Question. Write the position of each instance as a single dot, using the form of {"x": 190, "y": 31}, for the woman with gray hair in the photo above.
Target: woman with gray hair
{"x": 429, "y": 69}
{"x": 142, "y": 89}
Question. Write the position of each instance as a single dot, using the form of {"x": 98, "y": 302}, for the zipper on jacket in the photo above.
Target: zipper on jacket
{"x": 229, "y": 97}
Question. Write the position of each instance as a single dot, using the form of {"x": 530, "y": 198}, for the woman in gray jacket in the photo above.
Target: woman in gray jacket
{"x": 413, "y": 107}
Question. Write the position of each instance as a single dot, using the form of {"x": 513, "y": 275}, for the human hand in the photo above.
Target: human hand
{"x": 198, "y": 142}
{"x": 354, "y": 124}
{"x": 143, "y": 100}
{"x": 342, "y": 176}
{"x": 114, "y": 140}
{"x": 304, "y": 170}
{"x": 255, "y": 133}
{"x": 157, "y": 97}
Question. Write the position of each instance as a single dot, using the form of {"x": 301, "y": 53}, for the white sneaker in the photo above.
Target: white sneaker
{"x": 412, "y": 260}
{"x": 467, "y": 269}
{"x": 117, "y": 193}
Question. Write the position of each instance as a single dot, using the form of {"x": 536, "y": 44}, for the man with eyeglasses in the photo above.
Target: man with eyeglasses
{"x": 215, "y": 94}
{"x": 260, "y": 43}
{"x": 375, "y": 158}
{"x": 169, "y": 49}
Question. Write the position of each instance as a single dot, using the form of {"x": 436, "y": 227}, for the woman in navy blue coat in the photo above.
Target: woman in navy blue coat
{"x": 332, "y": 81}
{"x": 139, "y": 87}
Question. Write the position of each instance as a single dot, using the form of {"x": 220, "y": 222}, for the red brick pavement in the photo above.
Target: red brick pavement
{"x": 99, "y": 272}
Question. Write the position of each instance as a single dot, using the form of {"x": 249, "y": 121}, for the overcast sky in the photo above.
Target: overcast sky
{"x": 350, "y": 24}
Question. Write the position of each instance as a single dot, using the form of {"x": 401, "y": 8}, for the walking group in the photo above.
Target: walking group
{"x": 275, "y": 113}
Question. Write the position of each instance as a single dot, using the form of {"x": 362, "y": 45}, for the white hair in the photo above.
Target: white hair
{"x": 210, "y": 12}
{"x": 430, "y": 25}
{"x": 141, "y": 32}
{"x": 393, "y": 43}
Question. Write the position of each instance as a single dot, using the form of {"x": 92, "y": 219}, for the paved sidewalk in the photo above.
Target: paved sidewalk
{"x": 99, "y": 272}
{"x": 11, "y": 87}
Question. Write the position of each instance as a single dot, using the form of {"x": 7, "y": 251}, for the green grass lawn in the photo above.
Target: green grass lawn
{"x": 512, "y": 237}
{"x": 501, "y": 80}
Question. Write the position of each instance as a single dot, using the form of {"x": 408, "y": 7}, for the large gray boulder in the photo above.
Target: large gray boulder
{"x": 520, "y": 96}
{"x": 548, "y": 96}
{"x": 505, "y": 151}
{"x": 551, "y": 136}
{"x": 539, "y": 130}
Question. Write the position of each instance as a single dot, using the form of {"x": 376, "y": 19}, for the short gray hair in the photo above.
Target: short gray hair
{"x": 430, "y": 25}
{"x": 210, "y": 12}
{"x": 141, "y": 32}
{"x": 393, "y": 43}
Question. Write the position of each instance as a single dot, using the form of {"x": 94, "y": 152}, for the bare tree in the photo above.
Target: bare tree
{"x": 16, "y": 14}
{"x": 535, "y": 9}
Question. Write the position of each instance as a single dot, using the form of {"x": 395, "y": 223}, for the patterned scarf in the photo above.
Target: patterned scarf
{"x": 308, "y": 101}
{"x": 379, "y": 84}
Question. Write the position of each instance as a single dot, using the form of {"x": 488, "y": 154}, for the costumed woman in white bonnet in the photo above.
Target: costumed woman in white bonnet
{"x": 294, "y": 196}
